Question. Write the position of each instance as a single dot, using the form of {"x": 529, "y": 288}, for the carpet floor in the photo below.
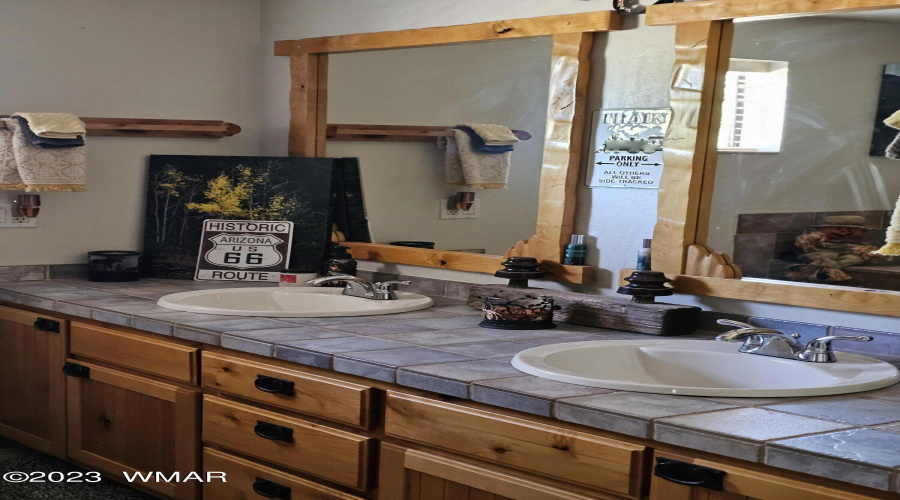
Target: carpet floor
{"x": 16, "y": 458}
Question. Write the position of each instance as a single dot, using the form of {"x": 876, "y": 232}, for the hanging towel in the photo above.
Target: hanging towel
{"x": 494, "y": 135}
{"x": 47, "y": 169}
{"x": 9, "y": 171}
{"x": 466, "y": 167}
{"x": 893, "y": 121}
{"x": 480, "y": 146}
{"x": 47, "y": 142}
{"x": 54, "y": 125}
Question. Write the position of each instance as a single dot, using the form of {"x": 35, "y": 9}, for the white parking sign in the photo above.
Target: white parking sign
{"x": 240, "y": 250}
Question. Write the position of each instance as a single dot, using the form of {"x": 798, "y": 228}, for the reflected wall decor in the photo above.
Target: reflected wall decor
{"x": 888, "y": 105}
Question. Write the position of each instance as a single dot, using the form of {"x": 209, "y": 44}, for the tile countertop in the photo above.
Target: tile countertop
{"x": 853, "y": 437}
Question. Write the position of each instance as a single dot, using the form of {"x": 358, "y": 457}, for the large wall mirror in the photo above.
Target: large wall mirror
{"x": 405, "y": 184}
{"x": 804, "y": 190}
{"x": 796, "y": 171}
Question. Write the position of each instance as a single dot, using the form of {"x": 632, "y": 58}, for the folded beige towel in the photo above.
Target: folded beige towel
{"x": 893, "y": 121}
{"x": 494, "y": 135}
{"x": 466, "y": 167}
{"x": 47, "y": 169}
{"x": 9, "y": 170}
{"x": 54, "y": 125}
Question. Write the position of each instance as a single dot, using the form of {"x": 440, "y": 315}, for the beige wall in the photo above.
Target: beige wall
{"x": 195, "y": 59}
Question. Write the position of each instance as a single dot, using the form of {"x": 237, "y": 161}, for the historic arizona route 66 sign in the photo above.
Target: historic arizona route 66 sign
{"x": 244, "y": 250}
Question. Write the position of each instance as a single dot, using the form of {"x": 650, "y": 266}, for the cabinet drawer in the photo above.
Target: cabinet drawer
{"x": 159, "y": 357}
{"x": 244, "y": 478}
{"x": 323, "y": 397}
{"x": 553, "y": 451}
{"x": 332, "y": 454}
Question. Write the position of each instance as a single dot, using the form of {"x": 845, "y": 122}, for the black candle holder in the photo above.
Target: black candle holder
{"x": 645, "y": 286}
{"x": 518, "y": 314}
{"x": 518, "y": 270}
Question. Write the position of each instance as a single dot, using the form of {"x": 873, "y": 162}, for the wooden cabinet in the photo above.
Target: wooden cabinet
{"x": 247, "y": 480}
{"x": 560, "y": 453}
{"x": 32, "y": 384}
{"x": 737, "y": 483}
{"x": 408, "y": 474}
{"x": 335, "y": 455}
{"x": 163, "y": 358}
{"x": 123, "y": 423}
{"x": 324, "y": 397}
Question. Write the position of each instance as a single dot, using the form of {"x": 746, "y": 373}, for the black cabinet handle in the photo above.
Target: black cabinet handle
{"x": 76, "y": 370}
{"x": 274, "y": 432}
{"x": 46, "y": 325}
{"x": 268, "y": 489}
{"x": 274, "y": 385}
{"x": 689, "y": 474}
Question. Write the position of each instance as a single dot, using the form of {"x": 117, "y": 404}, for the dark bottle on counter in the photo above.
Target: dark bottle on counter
{"x": 339, "y": 262}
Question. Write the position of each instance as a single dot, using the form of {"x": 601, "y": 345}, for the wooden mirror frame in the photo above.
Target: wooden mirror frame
{"x": 570, "y": 69}
{"x": 703, "y": 37}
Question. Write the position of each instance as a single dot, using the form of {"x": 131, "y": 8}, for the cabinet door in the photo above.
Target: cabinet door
{"x": 737, "y": 483}
{"x": 121, "y": 423}
{"x": 32, "y": 384}
{"x": 408, "y": 474}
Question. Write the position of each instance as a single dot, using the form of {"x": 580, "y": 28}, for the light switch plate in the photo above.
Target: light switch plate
{"x": 472, "y": 213}
{"x": 7, "y": 219}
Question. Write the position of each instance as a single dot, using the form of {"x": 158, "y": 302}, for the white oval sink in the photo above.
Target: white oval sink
{"x": 299, "y": 302}
{"x": 700, "y": 368}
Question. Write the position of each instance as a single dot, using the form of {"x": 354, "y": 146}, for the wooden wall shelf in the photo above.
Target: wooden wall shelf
{"x": 392, "y": 133}
{"x": 140, "y": 127}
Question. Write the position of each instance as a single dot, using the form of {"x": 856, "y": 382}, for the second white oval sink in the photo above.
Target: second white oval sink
{"x": 287, "y": 302}
{"x": 700, "y": 368}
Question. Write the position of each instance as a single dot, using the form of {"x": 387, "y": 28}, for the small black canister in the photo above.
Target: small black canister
{"x": 113, "y": 265}
{"x": 339, "y": 262}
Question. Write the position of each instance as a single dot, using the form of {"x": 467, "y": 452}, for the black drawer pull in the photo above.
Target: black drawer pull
{"x": 46, "y": 325}
{"x": 689, "y": 474}
{"x": 274, "y": 432}
{"x": 274, "y": 385}
{"x": 268, "y": 489}
{"x": 76, "y": 370}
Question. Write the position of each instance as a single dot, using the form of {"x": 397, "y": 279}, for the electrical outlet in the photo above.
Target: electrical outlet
{"x": 7, "y": 219}
{"x": 472, "y": 213}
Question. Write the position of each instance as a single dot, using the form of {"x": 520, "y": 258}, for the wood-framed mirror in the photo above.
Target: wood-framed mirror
{"x": 569, "y": 39}
{"x": 777, "y": 152}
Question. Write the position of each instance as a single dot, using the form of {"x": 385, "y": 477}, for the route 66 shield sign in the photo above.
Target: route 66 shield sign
{"x": 235, "y": 250}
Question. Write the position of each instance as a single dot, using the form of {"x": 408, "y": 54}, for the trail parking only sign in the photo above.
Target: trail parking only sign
{"x": 244, "y": 250}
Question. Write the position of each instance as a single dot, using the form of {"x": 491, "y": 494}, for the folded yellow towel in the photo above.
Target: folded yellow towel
{"x": 46, "y": 169}
{"x": 893, "y": 121}
{"x": 54, "y": 125}
{"x": 494, "y": 135}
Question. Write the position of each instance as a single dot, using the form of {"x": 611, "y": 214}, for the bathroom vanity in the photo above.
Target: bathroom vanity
{"x": 86, "y": 389}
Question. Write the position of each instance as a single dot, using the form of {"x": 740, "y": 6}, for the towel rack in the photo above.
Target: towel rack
{"x": 393, "y": 133}
{"x": 144, "y": 127}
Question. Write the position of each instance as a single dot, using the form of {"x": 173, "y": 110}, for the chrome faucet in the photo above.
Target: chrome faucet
{"x": 769, "y": 342}
{"x": 358, "y": 287}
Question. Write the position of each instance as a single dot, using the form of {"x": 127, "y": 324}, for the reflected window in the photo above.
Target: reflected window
{"x": 753, "y": 106}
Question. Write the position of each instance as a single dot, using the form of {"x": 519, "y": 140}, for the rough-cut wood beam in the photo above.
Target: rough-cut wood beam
{"x": 562, "y": 149}
{"x": 720, "y": 10}
{"x": 304, "y": 102}
{"x": 700, "y": 49}
{"x": 459, "y": 261}
{"x": 492, "y": 30}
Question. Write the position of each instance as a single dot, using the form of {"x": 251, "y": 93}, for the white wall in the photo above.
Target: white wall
{"x": 195, "y": 59}
{"x": 505, "y": 82}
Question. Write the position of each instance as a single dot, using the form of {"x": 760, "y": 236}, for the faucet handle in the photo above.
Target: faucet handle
{"x": 384, "y": 290}
{"x": 819, "y": 350}
{"x": 734, "y": 323}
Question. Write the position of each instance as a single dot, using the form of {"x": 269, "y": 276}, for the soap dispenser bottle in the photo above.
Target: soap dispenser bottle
{"x": 339, "y": 262}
